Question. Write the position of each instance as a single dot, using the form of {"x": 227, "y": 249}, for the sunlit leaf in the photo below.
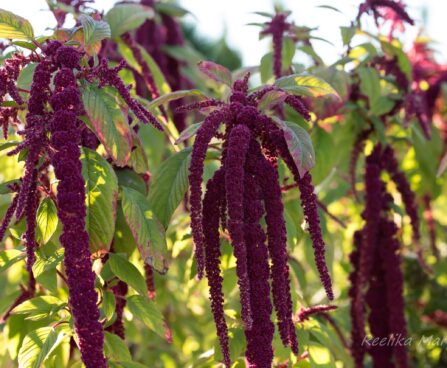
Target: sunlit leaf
{"x": 109, "y": 123}
{"x": 115, "y": 347}
{"x": 38, "y": 346}
{"x": 305, "y": 85}
{"x": 39, "y": 307}
{"x": 47, "y": 220}
{"x": 14, "y": 27}
{"x": 127, "y": 272}
{"x": 101, "y": 197}
{"x": 9, "y": 257}
{"x": 176, "y": 95}
{"x": 126, "y": 17}
{"x": 94, "y": 30}
{"x": 146, "y": 228}
{"x": 146, "y": 310}
{"x": 168, "y": 185}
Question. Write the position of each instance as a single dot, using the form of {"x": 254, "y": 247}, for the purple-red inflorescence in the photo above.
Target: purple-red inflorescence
{"x": 380, "y": 9}
{"x": 244, "y": 190}
{"x": 376, "y": 279}
{"x": 119, "y": 291}
{"x": 65, "y": 158}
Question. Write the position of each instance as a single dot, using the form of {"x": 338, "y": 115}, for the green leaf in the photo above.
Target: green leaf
{"x": 305, "y": 85}
{"x": 271, "y": 99}
{"x": 8, "y": 144}
{"x": 101, "y": 186}
{"x": 176, "y": 95}
{"x": 127, "y": 272}
{"x": 189, "y": 132}
{"x": 109, "y": 123}
{"x": 370, "y": 84}
{"x": 346, "y": 34}
{"x": 147, "y": 230}
{"x": 9, "y": 257}
{"x": 38, "y": 345}
{"x": 108, "y": 304}
{"x": 299, "y": 144}
{"x": 14, "y": 27}
{"x": 126, "y": 17}
{"x": 160, "y": 81}
{"x": 169, "y": 184}
{"x": 115, "y": 348}
{"x": 146, "y": 310}
{"x": 129, "y": 178}
{"x": 94, "y": 30}
{"x": 40, "y": 307}
{"x": 26, "y": 76}
{"x": 46, "y": 220}
{"x": 216, "y": 72}
{"x": 45, "y": 263}
{"x": 138, "y": 159}
{"x": 125, "y": 364}
{"x": 170, "y": 9}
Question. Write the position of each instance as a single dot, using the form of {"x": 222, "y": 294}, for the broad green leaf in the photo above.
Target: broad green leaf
{"x": 146, "y": 310}
{"x": 44, "y": 264}
{"x": 94, "y": 30}
{"x": 26, "y": 76}
{"x": 108, "y": 304}
{"x": 129, "y": 178}
{"x": 115, "y": 348}
{"x": 402, "y": 59}
{"x": 126, "y": 17}
{"x": 188, "y": 132}
{"x": 14, "y": 27}
{"x": 146, "y": 228}
{"x": 271, "y": 99}
{"x": 305, "y": 85}
{"x": 160, "y": 81}
{"x": 39, "y": 307}
{"x": 101, "y": 187}
{"x": 176, "y": 95}
{"x": 109, "y": 123}
{"x": 216, "y": 72}
{"x": 46, "y": 220}
{"x": 370, "y": 84}
{"x": 38, "y": 345}
{"x": 168, "y": 185}
{"x": 299, "y": 144}
{"x": 138, "y": 159}
{"x": 127, "y": 272}
{"x": 9, "y": 257}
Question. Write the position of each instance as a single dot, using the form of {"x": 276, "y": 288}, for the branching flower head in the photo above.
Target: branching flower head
{"x": 245, "y": 189}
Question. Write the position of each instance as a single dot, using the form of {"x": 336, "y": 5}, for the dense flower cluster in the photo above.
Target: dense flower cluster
{"x": 119, "y": 291}
{"x": 392, "y": 10}
{"x": 65, "y": 158}
{"x": 245, "y": 189}
{"x": 377, "y": 280}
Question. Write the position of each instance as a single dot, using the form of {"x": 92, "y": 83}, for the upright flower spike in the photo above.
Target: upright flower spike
{"x": 215, "y": 190}
{"x": 277, "y": 27}
{"x": 238, "y": 143}
{"x": 65, "y": 140}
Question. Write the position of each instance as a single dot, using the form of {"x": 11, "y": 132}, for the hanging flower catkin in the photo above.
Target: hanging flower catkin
{"x": 242, "y": 191}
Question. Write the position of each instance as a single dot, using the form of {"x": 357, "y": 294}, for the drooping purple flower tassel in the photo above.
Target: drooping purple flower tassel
{"x": 259, "y": 352}
{"x": 310, "y": 208}
{"x": 211, "y": 209}
{"x": 203, "y": 137}
{"x": 8, "y": 217}
{"x": 237, "y": 149}
{"x": 65, "y": 140}
{"x": 277, "y": 246}
{"x": 119, "y": 291}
